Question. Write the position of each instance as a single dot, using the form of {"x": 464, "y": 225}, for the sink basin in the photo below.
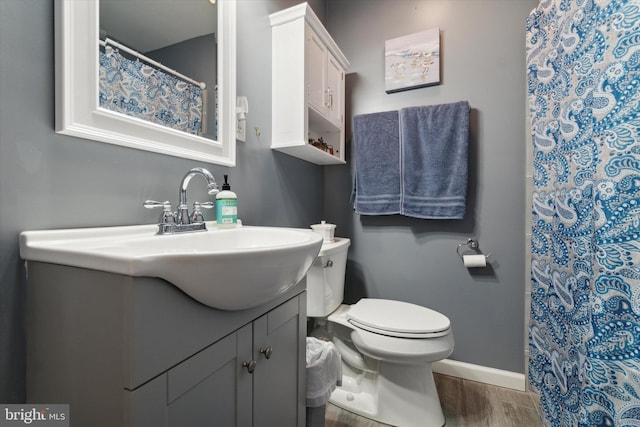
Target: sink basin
{"x": 228, "y": 269}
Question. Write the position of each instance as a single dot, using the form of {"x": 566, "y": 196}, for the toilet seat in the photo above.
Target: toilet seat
{"x": 397, "y": 319}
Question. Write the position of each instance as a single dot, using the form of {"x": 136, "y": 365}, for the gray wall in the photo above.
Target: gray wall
{"x": 53, "y": 181}
{"x": 482, "y": 61}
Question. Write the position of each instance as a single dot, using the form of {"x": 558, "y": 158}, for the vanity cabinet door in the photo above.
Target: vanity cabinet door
{"x": 209, "y": 389}
{"x": 279, "y": 349}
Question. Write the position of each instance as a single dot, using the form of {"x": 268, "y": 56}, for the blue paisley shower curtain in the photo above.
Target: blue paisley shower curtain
{"x": 583, "y": 74}
{"x": 140, "y": 90}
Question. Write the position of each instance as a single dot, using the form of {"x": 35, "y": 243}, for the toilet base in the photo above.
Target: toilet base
{"x": 398, "y": 395}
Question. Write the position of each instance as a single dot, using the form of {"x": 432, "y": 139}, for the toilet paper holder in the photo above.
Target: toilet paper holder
{"x": 472, "y": 248}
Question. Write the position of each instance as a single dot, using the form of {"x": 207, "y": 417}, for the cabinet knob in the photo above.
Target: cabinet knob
{"x": 251, "y": 366}
{"x": 268, "y": 351}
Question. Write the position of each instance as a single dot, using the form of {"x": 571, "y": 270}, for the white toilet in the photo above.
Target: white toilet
{"x": 387, "y": 347}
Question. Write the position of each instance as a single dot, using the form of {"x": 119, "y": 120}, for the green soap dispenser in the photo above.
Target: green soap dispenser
{"x": 226, "y": 206}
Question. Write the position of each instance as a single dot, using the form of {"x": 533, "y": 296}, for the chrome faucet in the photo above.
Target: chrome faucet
{"x": 181, "y": 221}
{"x": 183, "y": 210}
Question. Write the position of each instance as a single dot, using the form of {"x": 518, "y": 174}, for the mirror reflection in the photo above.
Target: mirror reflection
{"x": 158, "y": 62}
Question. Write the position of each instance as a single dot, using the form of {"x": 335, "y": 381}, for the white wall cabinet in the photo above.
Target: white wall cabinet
{"x": 324, "y": 79}
{"x": 137, "y": 352}
{"x": 308, "y": 82}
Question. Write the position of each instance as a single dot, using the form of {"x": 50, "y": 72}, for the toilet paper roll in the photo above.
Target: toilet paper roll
{"x": 474, "y": 261}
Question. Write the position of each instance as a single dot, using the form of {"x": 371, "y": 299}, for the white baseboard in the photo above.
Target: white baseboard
{"x": 482, "y": 374}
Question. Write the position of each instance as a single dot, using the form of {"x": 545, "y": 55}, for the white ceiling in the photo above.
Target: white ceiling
{"x": 146, "y": 25}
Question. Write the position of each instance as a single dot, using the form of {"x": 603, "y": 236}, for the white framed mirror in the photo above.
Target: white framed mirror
{"x": 78, "y": 112}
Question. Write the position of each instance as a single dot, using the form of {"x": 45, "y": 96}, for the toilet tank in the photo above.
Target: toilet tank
{"x": 325, "y": 278}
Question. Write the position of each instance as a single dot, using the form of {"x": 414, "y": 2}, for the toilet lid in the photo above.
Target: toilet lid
{"x": 397, "y": 318}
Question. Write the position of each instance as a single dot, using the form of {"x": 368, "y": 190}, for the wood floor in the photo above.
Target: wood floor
{"x": 465, "y": 404}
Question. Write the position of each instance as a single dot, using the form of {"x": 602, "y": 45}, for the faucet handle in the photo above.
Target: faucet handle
{"x": 150, "y": 204}
{"x": 167, "y": 217}
{"x": 197, "y": 216}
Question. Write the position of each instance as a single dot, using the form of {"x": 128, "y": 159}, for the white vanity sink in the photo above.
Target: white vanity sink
{"x": 228, "y": 269}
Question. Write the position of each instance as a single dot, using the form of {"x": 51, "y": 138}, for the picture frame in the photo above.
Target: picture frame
{"x": 412, "y": 61}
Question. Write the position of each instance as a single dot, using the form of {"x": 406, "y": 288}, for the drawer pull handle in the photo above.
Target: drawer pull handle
{"x": 268, "y": 351}
{"x": 251, "y": 366}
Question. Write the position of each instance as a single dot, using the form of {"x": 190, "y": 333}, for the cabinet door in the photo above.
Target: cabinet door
{"x": 279, "y": 352}
{"x": 211, "y": 388}
{"x": 315, "y": 69}
{"x": 335, "y": 91}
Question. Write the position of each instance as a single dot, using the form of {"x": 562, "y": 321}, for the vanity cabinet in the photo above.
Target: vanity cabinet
{"x": 308, "y": 82}
{"x": 136, "y": 351}
{"x": 248, "y": 378}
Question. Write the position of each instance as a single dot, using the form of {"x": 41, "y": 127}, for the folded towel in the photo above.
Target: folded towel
{"x": 434, "y": 144}
{"x": 376, "y": 145}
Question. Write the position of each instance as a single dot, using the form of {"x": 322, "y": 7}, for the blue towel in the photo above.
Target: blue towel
{"x": 434, "y": 144}
{"x": 376, "y": 145}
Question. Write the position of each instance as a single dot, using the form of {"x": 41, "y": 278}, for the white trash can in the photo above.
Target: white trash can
{"x": 324, "y": 372}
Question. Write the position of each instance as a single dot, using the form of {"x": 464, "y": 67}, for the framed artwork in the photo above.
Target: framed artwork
{"x": 412, "y": 61}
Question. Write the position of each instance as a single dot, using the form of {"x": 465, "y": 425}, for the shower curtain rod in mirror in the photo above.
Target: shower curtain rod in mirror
{"x": 148, "y": 60}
